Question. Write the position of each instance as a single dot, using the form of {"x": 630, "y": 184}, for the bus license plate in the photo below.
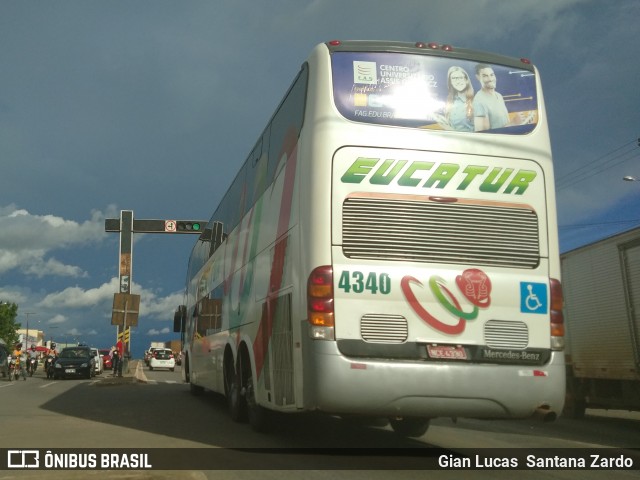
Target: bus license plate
{"x": 447, "y": 351}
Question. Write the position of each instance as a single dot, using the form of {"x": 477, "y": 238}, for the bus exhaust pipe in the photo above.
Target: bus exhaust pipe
{"x": 544, "y": 414}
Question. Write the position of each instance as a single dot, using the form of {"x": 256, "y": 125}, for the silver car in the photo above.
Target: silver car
{"x": 99, "y": 366}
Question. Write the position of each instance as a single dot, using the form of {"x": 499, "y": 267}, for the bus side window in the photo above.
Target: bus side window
{"x": 216, "y": 237}
{"x": 260, "y": 180}
{"x": 251, "y": 176}
{"x": 209, "y": 321}
{"x": 289, "y": 115}
{"x": 202, "y": 321}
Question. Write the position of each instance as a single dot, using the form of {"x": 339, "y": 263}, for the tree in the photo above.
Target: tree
{"x": 8, "y": 325}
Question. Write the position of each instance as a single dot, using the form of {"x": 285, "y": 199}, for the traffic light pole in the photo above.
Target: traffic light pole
{"x": 126, "y": 249}
{"x": 125, "y": 273}
{"x": 126, "y": 225}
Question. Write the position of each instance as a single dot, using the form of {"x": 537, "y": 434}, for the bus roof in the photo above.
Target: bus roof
{"x": 427, "y": 48}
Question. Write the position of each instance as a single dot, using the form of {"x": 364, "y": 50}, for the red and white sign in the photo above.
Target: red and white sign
{"x": 170, "y": 226}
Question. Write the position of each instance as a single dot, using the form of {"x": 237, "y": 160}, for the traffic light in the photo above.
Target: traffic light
{"x": 158, "y": 225}
{"x": 189, "y": 226}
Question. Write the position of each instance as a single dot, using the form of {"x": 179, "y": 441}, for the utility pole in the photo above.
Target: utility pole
{"x": 26, "y": 337}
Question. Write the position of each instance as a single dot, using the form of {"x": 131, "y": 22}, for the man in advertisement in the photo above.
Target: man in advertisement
{"x": 489, "y": 109}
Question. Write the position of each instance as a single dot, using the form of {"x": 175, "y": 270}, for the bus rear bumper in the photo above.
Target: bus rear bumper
{"x": 401, "y": 388}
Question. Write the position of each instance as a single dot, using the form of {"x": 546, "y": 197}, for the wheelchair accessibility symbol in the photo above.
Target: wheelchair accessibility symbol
{"x": 533, "y": 297}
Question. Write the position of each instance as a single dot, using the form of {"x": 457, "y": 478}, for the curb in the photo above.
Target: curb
{"x": 138, "y": 376}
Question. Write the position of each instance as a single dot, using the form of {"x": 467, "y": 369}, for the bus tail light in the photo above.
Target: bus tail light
{"x": 320, "y": 303}
{"x": 557, "y": 317}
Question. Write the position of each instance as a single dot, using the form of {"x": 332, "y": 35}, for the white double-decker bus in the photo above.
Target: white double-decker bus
{"x": 388, "y": 248}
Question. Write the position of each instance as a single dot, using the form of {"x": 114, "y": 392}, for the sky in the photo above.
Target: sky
{"x": 152, "y": 106}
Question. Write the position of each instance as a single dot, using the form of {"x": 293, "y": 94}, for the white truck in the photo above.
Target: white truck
{"x": 601, "y": 283}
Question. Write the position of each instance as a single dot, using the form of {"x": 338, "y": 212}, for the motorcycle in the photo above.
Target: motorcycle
{"x": 14, "y": 368}
{"x": 32, "y": 364}
{"x": 48, "y": 366}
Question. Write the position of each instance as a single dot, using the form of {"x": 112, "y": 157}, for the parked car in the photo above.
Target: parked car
{"x": 98, "y": 360}
{"x": 106, "y": 358}
{"x": 74, "y": 362}
{"x": 162, "y": 358}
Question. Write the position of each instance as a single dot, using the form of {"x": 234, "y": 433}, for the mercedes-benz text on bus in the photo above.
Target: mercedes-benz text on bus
{"x": 388, "y": 248}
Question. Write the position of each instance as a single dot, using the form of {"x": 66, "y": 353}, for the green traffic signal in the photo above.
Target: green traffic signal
{"x": 189, "y": 226}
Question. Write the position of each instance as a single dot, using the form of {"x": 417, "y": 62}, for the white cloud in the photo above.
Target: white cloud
{"x": 27, "y": 241}
{"x": 154, "y": 332}
{"x": 78, "y": 297}
{"x": 87, "y": 311}
{"x": 57, "y": 319}
{"x": 51, "y": 266}
{"x": 159, "y": 307}
{"x": 13, "y": 295}
{"x": 151, "y": 304}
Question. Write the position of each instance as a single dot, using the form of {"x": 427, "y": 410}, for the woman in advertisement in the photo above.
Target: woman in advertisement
{"x": 458, "y": 110}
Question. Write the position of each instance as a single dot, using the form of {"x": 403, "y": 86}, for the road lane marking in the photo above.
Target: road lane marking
{"x": 48, "y": 384}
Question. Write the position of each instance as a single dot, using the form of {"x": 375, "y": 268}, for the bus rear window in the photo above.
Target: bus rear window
{"x": 439, "y": 93}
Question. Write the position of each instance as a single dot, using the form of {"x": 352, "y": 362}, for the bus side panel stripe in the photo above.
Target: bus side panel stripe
{"x": 260, "y": 345}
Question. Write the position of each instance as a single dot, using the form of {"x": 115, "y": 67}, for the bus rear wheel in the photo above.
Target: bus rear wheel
{"x": 233, "y": 391}
{"x": 260, "y": 419}
{"x": 410, "y": 426}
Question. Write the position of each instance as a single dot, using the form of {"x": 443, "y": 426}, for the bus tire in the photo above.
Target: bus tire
{"x": 233, "y": 391}
{"x": 410, "y": 426}
{"x": 186, "y": 377}
{"x": 260, "y": 419}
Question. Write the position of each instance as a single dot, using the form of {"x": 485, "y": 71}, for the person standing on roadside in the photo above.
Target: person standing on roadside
{"x": 119, "y": 353}
{"x": 115, "y": 360}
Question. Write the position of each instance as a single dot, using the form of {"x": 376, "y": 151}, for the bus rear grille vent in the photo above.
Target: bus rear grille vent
{"x": 506, "y": 334}
{"x": 379, "y": 328}
{"x": 395, "y": 229}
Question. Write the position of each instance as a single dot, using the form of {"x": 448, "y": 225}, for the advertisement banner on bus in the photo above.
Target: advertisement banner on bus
{"x": 434, "y": 92}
